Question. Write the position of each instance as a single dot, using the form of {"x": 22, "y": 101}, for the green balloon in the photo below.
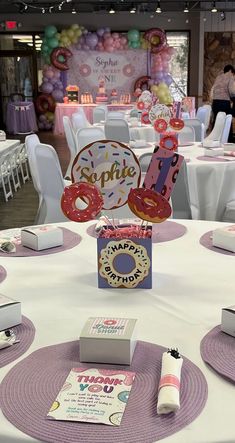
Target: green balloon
{"x": 53, "y": 42}
{"x": 133, "y": 35}
{"x": 44, "y": 48}
{"x": 135, "y": 45}
{"x": 50, "y": 31}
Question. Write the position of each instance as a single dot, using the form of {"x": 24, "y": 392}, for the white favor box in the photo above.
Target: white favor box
{"x": 228, "y": 320}
{"x": 10, "y": 312}
{"x": 224, "y": 238}
{"x": 213, "y": 152}
{"x": 108, "y": 340}
{"x": 42, "y": 237}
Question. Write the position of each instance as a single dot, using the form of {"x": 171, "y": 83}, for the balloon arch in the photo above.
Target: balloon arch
{"x": 56, "y": 52}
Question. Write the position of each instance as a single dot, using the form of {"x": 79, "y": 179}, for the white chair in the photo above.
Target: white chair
{"x": 198, "y": 128}
{"x": 71, "y": 142}
{"x": 51, "y": 182}
{"x": 99, "y": 114}
{"x": 226, "y": 130}
{"x": 180, "y": 199}
{"x": 5, "y": 176}
{"x": 117, "y": 129}
{"x": 186, "y": 135}
{"x": 135, "y": 113}
{"x": 79, "y": 121}
{"x": 115, "y": 114}
{"x": 229, "y": 213}
{"x": 84, "y": 136}
{"x": 22, "y": 160}
{"x": 204, "y": 114}
{"x": 217, "y": 131}
{"x": 81, "y": 112}
{"x": 208, "y": 115}
{"x": 15, "y": 167}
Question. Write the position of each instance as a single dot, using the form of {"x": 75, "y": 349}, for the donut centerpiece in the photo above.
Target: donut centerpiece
{"x": 149, "y": 205}
{"x": 88, "y": 193}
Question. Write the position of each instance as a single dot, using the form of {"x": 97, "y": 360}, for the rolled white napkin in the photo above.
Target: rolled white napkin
{"x": 169, "y": 386}
{"x": 7, "y": 338}
{"x": 5, "y": 344}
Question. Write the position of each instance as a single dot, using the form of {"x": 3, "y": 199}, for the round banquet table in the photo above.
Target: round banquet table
{"x": 211, "y": 183}
{"x": 59, "y": 292}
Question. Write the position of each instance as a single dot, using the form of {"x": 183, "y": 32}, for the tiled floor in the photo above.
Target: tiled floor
{"x": 21, "y": 210}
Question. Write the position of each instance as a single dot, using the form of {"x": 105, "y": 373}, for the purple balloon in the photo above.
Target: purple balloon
{"x": 168, "y": 79}
{"x": 107, "y": 29}
{"x": 57, "y": 95}
{"x": 53, "y": 81}
{"x": 100, "y": 32}
{"x": 47, "y": 88}
{"x": 82, "y": 40}
{"x": 48, "y": 126}
{"x": 42, "y": 118}
{"x": 85, "y": 47}
{"x": 41, "y": 125}
{"x": 91, "y": 40}
{"x": 49, "y": 73}
{"x": 159, "y": 75}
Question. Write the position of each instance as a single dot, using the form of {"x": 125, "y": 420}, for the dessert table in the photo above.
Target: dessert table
{"x": 59, "y": 292}
{"x": 7, "y": 145}
{"x": 67, "y": 109}
{"x": 211, "y": 181}
{"x": 21, "y": 118}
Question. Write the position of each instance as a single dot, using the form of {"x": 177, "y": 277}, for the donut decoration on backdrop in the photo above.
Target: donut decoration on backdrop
{"x": 140, "y": 105}
{"x": 88, "y": 193}
{"x": 142, "y": 83}
{"x": 44, "y": 103}
{"x": 149, "y": 205}
{"x": 59, "y": 54}
{"x": 112, "y": 167}
{"x": 163, "y": 171}
{"x": 157, "y": 39}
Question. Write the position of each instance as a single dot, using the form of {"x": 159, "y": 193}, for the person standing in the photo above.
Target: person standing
{"x": 222, "y": 92}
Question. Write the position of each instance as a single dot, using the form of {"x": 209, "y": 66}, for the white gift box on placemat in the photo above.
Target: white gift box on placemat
{"x": 224, "y": 238}
{"x": 108, "y": 340}
{"x": 41, "y": 237}
{"x": 228, "y": 320}
{"x": 10, "y": 312}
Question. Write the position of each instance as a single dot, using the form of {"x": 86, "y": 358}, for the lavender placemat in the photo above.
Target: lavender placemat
{"x": 206, "y": 241}
{"x": 218, "y": 350}
{"x": 207, "y": 158}
{"x": 25, "y": 332}
{"x": 3, "y": 274}
{"x": 30, "y": 388}
{"x": 161, "y": 232}
{"x": 71, "y": 239}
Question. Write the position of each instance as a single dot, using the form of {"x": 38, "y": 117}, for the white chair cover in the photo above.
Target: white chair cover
{"x": 84, "y": 136}
{"x": 180, "y": 199}
{"x": 208, "y": 116}
{"x": 186, "y": 135}
{"x": 198, "y": 128}
{"x": 81, "y": 112}
{"x": 51, "y": 182}
{"x": 99, "y": 114}
{"x": 117, "y": 129}
{"x": 226, "y": 130}
{"x": 79, "y": 121}
{"x": 217, "y": 131}
{"x": 31, "y": 141}
{"x": 71, "y": 142}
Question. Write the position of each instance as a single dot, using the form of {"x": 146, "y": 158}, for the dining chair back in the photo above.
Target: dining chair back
{"x": 71, "y": 142}
{"x": 79, "y": 120}
{"x": 198, "y": 128}
{"x": 217, "y": 131}
{"x": 99, "y": 114}
{"x": 180, "y": 199}
{"x": 117, "y": 129}
{"x": 226, "y": 130}
{"x": 51, "y": 182}
{"x": 84, "y": 136}
{"x": 186, "y": 135}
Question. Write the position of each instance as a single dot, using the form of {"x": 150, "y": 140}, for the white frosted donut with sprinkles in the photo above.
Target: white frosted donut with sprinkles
{"x": 112, "y": 167}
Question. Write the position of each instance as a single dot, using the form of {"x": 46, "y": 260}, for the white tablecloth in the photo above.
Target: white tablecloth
{"x": 8, "y": 145}
{"x": 211, "y": 184}
{"x": 190, "y": 286}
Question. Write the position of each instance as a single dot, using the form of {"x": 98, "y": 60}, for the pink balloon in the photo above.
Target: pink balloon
{"x": 109, "y": 41}
{"x": 165, "y": 66}
{"x": 123, "y": 41}
{"x": 107, "y": 35}
{"x": 109, "y": 48}
{"x": 115, "y": 35}
{"x": 117, "y": 45}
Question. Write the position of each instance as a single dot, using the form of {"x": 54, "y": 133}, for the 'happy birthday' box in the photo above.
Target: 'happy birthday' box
{"x": 124, "y": 263}
{"x": 108, "y": 340}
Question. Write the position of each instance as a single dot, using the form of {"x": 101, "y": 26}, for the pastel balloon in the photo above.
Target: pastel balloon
{"x": 47, "y": 87}
{"x": 133, "y": 35}
{"x": 50, "y": 31}
{"x": 58, "y": 95}
{"x": 92, "y": 40}
{"x": 100, "y": 32}
{"x": 53, "y": 42}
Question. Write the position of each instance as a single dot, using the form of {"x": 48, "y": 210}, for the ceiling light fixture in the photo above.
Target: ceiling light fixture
{"x": 112, "y": 10}
{"x": 74, "y": 11}
{"x": 222, "y": 16}
{"x": 43, "y": 11}
{"x": 214, "y": 9}
{"x": 133, "y": 10}
{"x": 158, "y": 9}
{"x": 186, "y": 8}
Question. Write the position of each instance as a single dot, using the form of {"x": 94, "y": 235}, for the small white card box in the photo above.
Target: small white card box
{"x": 10, "y": 312}
{"x": 108, "y": 340}
{"x": 228, "y": 320}
{"x": 224, "y": 238}
{"x": 41, "y": 237}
